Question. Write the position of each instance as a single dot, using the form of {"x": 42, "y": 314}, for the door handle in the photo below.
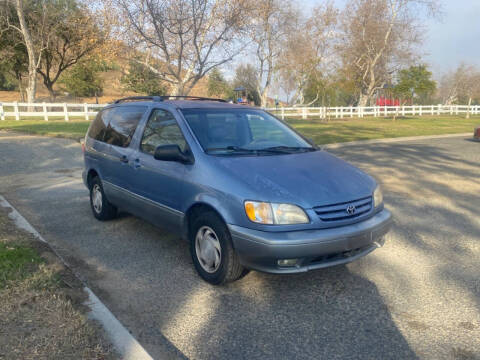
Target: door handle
{"x": 124, "y": 159}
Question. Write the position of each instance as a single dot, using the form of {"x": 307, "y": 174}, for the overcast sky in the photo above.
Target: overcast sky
{"x": 451, "y": 40}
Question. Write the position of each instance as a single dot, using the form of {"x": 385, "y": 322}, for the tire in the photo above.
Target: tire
{"x": 102, "y": 209}
{"x": 213, "y": 255}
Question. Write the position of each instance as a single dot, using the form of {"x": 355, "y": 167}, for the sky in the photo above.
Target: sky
{"x": 450, "y": 40}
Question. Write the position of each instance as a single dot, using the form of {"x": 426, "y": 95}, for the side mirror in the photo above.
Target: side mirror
{"x": 172, "y": 153}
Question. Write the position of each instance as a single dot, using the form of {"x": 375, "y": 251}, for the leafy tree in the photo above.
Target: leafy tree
{"x": 82, "y": 79}
{"x": 142, "y": 80}
{"x": 415, "y": 83}
{"x": 217, "y": 85}
{"x": 246, "y": 76}
{"x": 74, "y": 36}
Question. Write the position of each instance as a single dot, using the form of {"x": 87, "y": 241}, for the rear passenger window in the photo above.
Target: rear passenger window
{"x": 161, "y": 129}
{"x": 122, "y": 123}
{"x": 99, "y": 126}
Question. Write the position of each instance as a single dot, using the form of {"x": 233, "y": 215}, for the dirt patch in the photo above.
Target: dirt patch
{"x": 42, "y": 316}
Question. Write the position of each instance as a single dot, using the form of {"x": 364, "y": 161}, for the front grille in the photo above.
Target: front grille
{"x": 344, "y": 211}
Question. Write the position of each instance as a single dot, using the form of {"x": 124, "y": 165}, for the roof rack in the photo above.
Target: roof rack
{"x": 165, "y": 97}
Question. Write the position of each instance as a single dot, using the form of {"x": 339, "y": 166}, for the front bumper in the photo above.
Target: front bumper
{"x": 314, "y": 249}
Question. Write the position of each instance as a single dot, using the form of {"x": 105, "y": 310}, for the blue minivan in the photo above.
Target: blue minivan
{"x": 245, "y": 189}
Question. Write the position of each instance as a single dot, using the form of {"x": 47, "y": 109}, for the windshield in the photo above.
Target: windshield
{"x": 243, "y": 131}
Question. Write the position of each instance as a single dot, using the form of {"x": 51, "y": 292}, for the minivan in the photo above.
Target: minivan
{"x": 246, "y": 190}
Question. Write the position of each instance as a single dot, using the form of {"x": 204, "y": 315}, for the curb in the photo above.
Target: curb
{"x": 392, "y": 140}
{"x": 127, "y": 346}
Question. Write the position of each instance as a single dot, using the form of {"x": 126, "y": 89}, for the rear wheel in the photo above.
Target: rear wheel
{"x": 102, "y": 209}
{"x": 212, "y": 252}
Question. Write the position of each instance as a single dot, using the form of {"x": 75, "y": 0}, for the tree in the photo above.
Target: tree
{"x": 74, "y": 36}
{"x": 271, "y": 22}
{"x": 14, "y": 18}
{"x": 308, "y": 50}
{"x": 415, "y": 82}
{"x": 217, "y": 85}
{"x": 461, "y": 86}
{"x": 55, "y": 35}
{"x": 82, "y": 80}
{"x": 246, "y": 76}
{"x": 378, "y": 36}
{"x": 189, "y": 38}
{"x": 13, "y": 63}
{"x": 142, "y": 80}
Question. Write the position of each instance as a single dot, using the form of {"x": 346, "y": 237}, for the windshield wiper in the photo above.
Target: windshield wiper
{"x": 288, "y": 149}
{"x": 232, "y": 149}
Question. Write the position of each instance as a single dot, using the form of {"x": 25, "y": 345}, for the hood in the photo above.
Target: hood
{"x": 306, "y": 179}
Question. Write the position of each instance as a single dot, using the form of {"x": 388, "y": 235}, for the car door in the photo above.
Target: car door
{"x": 122, "y": 123}
{"x": 159, "y": 184}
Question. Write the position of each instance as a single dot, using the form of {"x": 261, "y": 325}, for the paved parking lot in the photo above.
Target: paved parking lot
{"x": 417, "y": 297}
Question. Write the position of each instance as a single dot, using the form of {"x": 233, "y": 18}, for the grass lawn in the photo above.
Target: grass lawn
{"x": 41, "y": 312}
{"x": 321, "y": 131}
{"x": 73, "y": 129}
{"x": 336, "y": 130}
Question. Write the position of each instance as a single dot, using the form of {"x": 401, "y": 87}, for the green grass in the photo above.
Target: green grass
{"x": 16, "y": 262}
{"x": 325, "y": 132}
{"x": 73, "y": 129}
{"x": 321, "y": 131}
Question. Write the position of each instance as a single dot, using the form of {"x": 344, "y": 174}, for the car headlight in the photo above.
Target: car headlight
{"x": 275, "y": 214}
{"x": 377, "y": 196}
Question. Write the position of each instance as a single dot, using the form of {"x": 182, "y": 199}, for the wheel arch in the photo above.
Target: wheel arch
{"x": 193, "y": 211}
{"x": 91, "y": 174}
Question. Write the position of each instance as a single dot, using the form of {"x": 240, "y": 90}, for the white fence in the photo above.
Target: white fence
{"x": 375, "y": 111}
{"x": 48, "y": 110}
{"x": 51, "y": 111}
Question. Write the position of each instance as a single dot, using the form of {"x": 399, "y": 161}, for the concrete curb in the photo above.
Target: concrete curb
{"x": 393, "y": 140}
{"x": 127, "y": 346}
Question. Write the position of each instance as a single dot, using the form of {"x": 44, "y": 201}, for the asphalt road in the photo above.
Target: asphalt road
{"x": 417, "y": 297}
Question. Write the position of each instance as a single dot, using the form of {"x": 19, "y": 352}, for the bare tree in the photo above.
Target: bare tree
{"x": 271, "y": 22}
{"x": 461, "y": 86}
{"x": 16, "y": 21}
{"x": 75, "y": 36}
{"x": 378, "y": 36}
{"x": 187, "y": 37}
{"x": 308, "y": 50}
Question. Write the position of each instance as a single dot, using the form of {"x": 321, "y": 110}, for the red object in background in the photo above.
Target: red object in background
{"x": 476, "y": 133}
{"x": 383, "y": 101}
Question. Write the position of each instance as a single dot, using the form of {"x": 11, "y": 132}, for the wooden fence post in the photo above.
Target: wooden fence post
{"x": 420, "y": 110}
{"x": 283, "y": 113}
{"x": 351, "y": 111}
{"x": 304, "y": 113}
{"x": 45, "y": 112}
{"x": 15, "y": 108}
{"x": 2, "y": 114}
{"x": 456, "y": 109}
{"x": 65, "y": 111}
{"x": 385, "y": 109}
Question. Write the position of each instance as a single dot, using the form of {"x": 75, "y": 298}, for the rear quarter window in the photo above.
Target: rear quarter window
{"x": 99, "y": 125}
{"x": 122, "y": 123}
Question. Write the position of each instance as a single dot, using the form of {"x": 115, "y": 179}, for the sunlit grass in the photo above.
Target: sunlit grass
{"x": 320, "y": 131}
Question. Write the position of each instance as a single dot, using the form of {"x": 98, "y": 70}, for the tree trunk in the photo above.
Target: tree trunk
{"x": 468, "y": 108}
{"x": 363, "y": 100}
{"x": 52, "y": 93}
{"x": 32, "y": 85}
{"x": 32, "y": 59}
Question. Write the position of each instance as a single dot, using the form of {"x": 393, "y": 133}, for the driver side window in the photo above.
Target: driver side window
{"x": 161, "y": 129}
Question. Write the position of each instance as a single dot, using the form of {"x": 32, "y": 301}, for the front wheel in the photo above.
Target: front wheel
{"x": 102, "y": 209}
{"x": 212, "y": 252}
